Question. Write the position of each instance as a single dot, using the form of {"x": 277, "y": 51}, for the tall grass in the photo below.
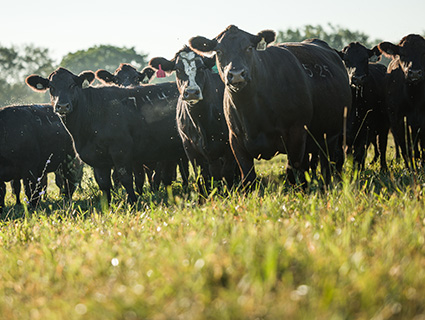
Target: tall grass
{"x": 354, "y": 250}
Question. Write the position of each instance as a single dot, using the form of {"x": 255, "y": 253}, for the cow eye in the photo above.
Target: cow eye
{"x": 249, "y": 49}
{"x": 219, "y": 53}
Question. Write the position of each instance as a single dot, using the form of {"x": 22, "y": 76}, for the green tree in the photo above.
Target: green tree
{"x": 337, "y": 37}
{"x": 102, "y": 57}
{"x": 16, "y": 63}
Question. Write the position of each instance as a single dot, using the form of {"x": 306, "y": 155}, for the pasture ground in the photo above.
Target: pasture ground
{"x": 353, "y": 251}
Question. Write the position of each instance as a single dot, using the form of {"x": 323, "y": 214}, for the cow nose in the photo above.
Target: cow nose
{"x": 236, "y": 77}
{"x": 62, "y": 108}
{"x": 415, "y": 75}
{"x": 358, "y": 79}
{"x": 192, "y": 94}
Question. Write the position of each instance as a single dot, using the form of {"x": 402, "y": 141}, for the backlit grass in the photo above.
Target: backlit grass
{"x": 352, "y": 251}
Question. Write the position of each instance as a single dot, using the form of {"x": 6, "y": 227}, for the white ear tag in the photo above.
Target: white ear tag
{"x": 39, "y": 86}
{"x": 262, "y": 45}
{"x": 85, "y": 84}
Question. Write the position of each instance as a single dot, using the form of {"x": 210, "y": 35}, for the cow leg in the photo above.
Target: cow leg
{"x": 16, "y": 187}
{"x": 103, "y": 179}
{"x": 167, "y": 172}
{"x": 126, "y": 178}
{"x": 184, "y": 171}
{"x": 115, "y": 179}
{"x": 139, "y": 178}
{"x": 382, "y": 147}
{"x": 295, "y": 144}
{"x": 244, "y": 160}
{"x": 71, "y": 177}
{"x": 2, "y": 195}
{"x": 230, "y": 170}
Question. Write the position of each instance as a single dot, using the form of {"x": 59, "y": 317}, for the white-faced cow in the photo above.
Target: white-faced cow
{"x": 287, "y": 98}
{"x": 368, "y": 121}
{"x": 114, "y": 126}
{"x": 406, "y": 94}
{"x": 200, "y": 117}
{"x": 125, "y": 75}
{"x": 33, "y": 143}
{"x": 164, "y": 171}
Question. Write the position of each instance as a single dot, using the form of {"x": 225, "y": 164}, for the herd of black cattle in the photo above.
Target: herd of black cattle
{"x": 236, "y": 98}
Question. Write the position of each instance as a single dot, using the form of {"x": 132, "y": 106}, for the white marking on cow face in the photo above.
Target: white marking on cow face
{"x": 189, "y": 62}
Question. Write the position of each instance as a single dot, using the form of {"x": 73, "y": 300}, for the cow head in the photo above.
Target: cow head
{"x": 236, "y": 51}
{"x": 410, "y": 55}
{"x": 125, "y": 75}
{"x": 356, "y": 58}
{"x": 190, "y": 71}
{"x": 64, "y": 87}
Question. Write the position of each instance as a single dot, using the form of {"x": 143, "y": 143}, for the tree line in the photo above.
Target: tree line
{"x": 16, "y": 63}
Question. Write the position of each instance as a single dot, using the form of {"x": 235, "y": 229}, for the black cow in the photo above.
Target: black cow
{"x": 33, "y": 143}
{"x": 368, "y": 121}
{"x": 200, "y": 117}
{"x": 286, "y": 98}
{"x": 125, "y": 75}
{"x": 114, "y": 126}
{"x": 406, "y": 94}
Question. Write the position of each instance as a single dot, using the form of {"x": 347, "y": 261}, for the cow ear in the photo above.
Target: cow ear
{"x": 268, "y": 35}
{"x": 202, "y": 45}
{"x": 85, "y": 78}
{"x": 146, "y": 75}
{"x": 389, "y": 49}
{"x": 37, "y": 83}
{"x": 374, "y": 54}
{"x": 104, "y": 76}
{"x": 340, "y": 54}
{"x": 166, "y": 65}
{"x": 262, "y": 39}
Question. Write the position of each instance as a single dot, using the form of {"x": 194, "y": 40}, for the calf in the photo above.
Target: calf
{"x": 33, "y": 143}
{"x": 368, "y": 121}
{"x": 405, "y": 87}
{"x": 285, "y": 98}
{"x": 200, "y": 118}
{"x": 113, "y": 126}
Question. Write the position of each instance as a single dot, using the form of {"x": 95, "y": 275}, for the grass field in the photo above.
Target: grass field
{"x": 353, "y": 251}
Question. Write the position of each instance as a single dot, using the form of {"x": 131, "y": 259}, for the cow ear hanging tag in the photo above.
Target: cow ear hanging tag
{"x": 262, "y": 45}
{"x": 160, "y": 73}
{"x": 214, "y": 69}
{"x": 85, "y": 84}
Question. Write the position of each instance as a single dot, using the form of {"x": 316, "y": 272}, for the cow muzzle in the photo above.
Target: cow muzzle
{"x": 358, "y": 80}
{"x": 415, "y": 75}
{"x": 192, "y": 95}
{"x": 237, "y": 79}
{"x": 62, "y": 109}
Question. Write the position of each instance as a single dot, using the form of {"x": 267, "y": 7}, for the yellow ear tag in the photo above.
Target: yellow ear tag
{"x": 39, "y": 86}
{"x": 262, "y": 45}
{"x": 85, "y": 84}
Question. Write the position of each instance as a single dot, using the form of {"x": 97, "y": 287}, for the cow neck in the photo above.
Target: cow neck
{"x": 207, "y": 106}
{"x": 84, "y": 112}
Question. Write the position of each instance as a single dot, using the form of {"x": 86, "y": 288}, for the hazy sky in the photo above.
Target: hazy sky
{"x": 160, "y": 28}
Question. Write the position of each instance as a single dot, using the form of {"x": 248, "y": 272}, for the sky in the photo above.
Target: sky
{"x": 161, "y": 28}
